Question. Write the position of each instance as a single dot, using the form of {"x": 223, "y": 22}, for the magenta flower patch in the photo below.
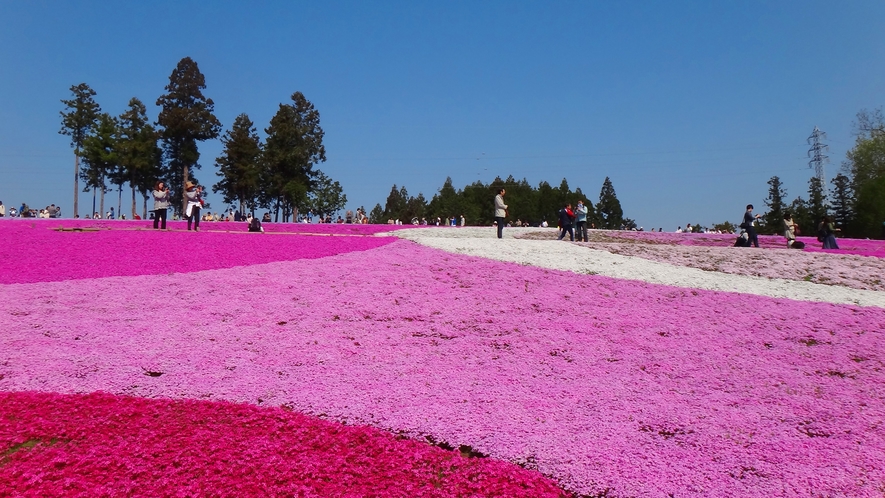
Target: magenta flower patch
{"x": 105, "y": 445}
{"x": 36, "y": 252}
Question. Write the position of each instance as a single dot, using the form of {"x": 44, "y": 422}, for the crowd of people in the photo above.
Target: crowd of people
{"x": 50, "y": 211}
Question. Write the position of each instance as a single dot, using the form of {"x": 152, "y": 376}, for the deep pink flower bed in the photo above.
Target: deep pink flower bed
{"x": 610, "y": 387}
{"x": 106, "y": 445}
{"x": 213, "y": 226}
{"x": 36, "y": 252}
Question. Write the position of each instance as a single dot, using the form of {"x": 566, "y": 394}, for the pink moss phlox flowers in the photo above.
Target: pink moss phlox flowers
{"x": 105, "y": 445}
{"x": 845, "y": 270}
{"x": 37, "y": 253}
{"x": 859, "y": 247}
{"x": 608, "y": 386}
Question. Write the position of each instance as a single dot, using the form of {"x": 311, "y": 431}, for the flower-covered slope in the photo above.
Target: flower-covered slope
{"x": 38, "y": 252}
{"x": 608, "y": 386}
{"x": 105, "y": 445}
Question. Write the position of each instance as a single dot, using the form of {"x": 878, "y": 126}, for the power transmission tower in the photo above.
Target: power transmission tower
{"x": 816, "y": 153}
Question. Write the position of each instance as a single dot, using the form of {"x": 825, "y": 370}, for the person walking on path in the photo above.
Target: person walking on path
{"x": 161, "y": 205}
{"x": 581, "y": 221}
{"x": 194, "y": 202}
{"x": 566, "y": 218}
{"x": 748, "y": 225}
{"x": 500, "y": 212}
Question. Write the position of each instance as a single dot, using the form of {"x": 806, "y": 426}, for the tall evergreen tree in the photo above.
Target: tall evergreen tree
{"x": 608, "y": 209}
{"x": 774, "y": 218}
{"x": 239, "y": 164}
{"x": 395, "y": 205}
{"x": 294, "y": 145}
{"x": 100, "y": 158}
{"x": 327, "y": 197}
{"x": 376, "y": 215}
{"x": 446, "y": 202}
{"x": 548, "y": 203}
{"x": 817, "y": 199}
{"x": 802, "y": 216}
{"x": 843, "y": 202}
{"x": 139, "y": 156}
{"x": 82, "y": 112}
{"x": 186, "y": 118}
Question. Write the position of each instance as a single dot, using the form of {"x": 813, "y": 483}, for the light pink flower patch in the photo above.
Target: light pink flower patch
{"x": 36, "y": 252}
{"x": 608, "y": 386}
{"x": 859, "y": 247}
{"x": 844, "y": 270}
{"x": 105, "y": 445}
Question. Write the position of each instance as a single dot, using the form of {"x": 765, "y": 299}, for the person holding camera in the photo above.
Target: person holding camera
{"x": 581, "y": 222}
{"x": 193, "y": 194}
{"x": 161, "y": 205}
{"x": 748, "y": 225}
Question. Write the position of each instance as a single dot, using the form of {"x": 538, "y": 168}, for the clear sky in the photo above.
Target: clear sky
{"x": 689, "y": 107}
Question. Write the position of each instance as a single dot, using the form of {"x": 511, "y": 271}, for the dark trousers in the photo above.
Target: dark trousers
{"x": 582, "y": 231}
{"x": 160, "y": 214}
{"x": 500, "y": 221}
{"x": 194, "y": 218}
{"x": 753, "y": 238}
{"x": 571, "y": 233}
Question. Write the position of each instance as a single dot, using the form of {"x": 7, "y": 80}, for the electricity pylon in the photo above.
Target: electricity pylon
{"x": 816, "y": 153}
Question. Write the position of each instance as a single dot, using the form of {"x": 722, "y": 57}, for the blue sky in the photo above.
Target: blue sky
{"x": 689, "y": 107}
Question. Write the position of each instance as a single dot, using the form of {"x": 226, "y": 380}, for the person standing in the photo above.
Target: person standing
{"x": 790, "y": 230}
{"x": 566, "y": 218}
{"x": 2, "y": 210}
{"x": 192, "y": 211}
{"x": 581, "y": 221}
{"x": 828, "y": 230}
{"x": 749, "y": 226}
{"x": 500, "y": 212}
{"x": 161, "y": 205}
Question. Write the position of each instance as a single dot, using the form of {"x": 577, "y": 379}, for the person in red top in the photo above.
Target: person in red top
{"x": 566, "y": 221}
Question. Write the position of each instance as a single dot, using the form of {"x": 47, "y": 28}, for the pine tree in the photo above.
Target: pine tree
{"x": 239, "y": 165}
{"x": 395, "y": 204}
{"x": 817, "y": 199}
{"x": 186, "y": 118}
{"x": 294, "y": 145}
{"x": 139, "y": 156}
{"x": 773, "y": 219}
{"x": 377, "y": 215}
{"x": 608, "y": 209}
{"x": 327, "y": 197}
{"x": 82, "y": 114}
{"x": 100, "y": 158}
{"x": 843, "y": 202}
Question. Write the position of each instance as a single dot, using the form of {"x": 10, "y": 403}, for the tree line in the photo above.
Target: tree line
{"x": 278, "y": 173}
{"x": 528, "y": 204}
{"x": 856, "y": 201}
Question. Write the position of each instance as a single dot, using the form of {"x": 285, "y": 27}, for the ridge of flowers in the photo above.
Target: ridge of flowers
{"x": 608, "y": 386}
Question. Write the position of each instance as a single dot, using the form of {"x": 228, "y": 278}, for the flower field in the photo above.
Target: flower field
{"x": 323, "y": 365}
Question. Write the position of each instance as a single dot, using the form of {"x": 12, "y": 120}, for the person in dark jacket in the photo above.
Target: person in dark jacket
{"x": 748, "y": 225}
{"x": 566, "y": 220}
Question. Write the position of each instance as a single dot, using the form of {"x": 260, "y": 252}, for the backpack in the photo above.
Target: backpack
{"x": 822, "y": 232}
{"x": 255, "y": 225}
